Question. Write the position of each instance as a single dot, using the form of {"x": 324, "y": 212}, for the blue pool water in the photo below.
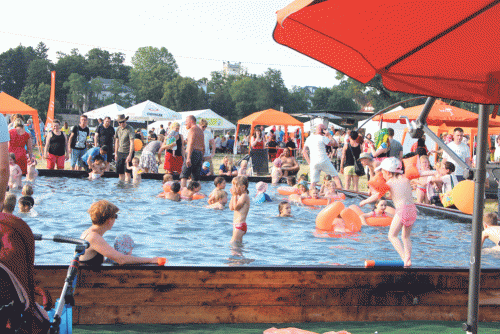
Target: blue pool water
{"x": 189, "y": 234}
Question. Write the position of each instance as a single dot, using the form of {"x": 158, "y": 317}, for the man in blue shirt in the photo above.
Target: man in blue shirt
{"x": 89, "y": 156}
{"x": 280, "y": 134}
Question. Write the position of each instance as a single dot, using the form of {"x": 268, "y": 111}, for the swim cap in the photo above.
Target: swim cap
{"x": 261, "y": 187}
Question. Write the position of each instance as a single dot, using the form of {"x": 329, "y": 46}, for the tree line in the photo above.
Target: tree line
{"x": 154, "y": 75}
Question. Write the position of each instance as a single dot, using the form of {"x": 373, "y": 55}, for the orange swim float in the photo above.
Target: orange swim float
{"x": 287, "y": 191}
{"x": 378, "y": 184}
{"x": 379, "y": 221}
{"x": 315, "y": 201}
{"x": 352, "y": 220}
{"x": 324, "y": 219}
{"x": 198, "y": 196}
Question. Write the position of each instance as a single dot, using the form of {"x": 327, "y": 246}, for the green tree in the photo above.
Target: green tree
{"x": 297, "y": 101}
{"x": 222, "y": 103}
{"x": 244, "y": 93}
{"x": 37, "y": 97}
{"x": 272, "y": 90}
{"x": 183, "y": 94}
{"x": 96, "y": 86}
{"x": 41, "y": 51}
{"x": 338, "y": 101}
{"x": 152, "y": 68}
{"x": 98, "y": 64}
{"x": 79, "y": 89}
{"x": 65, "y": 66}
{"x": 38, "y": 72}
{"x": 14, "y": 65}
{"x": 320, "y": 99}
{"x": 119, "y": 70}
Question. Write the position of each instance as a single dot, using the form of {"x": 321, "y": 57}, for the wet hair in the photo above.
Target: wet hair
{"x": 490, "y": 219}
{"x": 219, "y": 180}
{"x": 101, "y": 211}
{"x": 193, "y": 185}
{"x": 420, "y": 151}
{"x": 167, "y": 177}
{"x": 27, "y": 190}
{"x": 9, "y": 203}
{"x": 176, "y": 187}
{"x": 281, "y": 206}
{"x": 26, "y": 200}
{"x": 449, "y": 166}
{"x": 242, "y": 181}
{"x": 12, "y": 156}
{"x": 291, "y": 180}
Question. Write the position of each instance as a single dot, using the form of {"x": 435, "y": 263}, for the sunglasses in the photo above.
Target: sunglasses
{"x": 120, "y": 122}
{"x": 115, "y": 216}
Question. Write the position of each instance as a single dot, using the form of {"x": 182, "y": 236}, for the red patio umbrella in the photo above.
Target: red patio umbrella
{"x": 447, "y": 49}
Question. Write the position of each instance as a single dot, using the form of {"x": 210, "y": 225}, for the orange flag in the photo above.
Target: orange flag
{"x": 50, "y": 112}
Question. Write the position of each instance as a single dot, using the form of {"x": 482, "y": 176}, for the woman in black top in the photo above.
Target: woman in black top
{"x": 56, "y": 148}
{"x": 271, "y": 147}
{"x": 350, "y": 153}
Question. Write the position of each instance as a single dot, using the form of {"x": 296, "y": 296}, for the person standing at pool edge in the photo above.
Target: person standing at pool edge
{"x": 78, "y": 143}
{"x": 317, "y": 158}
{"x": 124, "y": 148}
{"x": 195, "y": 149}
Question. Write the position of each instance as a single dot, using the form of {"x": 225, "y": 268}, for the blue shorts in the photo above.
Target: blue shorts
{"x": 76, "y": 156}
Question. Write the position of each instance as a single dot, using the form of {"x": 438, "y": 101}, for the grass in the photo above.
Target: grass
{"x": 491, "y": 205}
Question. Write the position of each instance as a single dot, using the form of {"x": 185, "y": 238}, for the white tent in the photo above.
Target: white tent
{"x": 310, "y": 125}
{"x": 215, "y": 121}
{"x": 148, "y": 111}
{"x": 112, "y": 110}
{"x": 374, "y": 126}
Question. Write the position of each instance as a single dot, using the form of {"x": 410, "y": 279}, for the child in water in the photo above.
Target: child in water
{"x": 285, "y": 209}
{"x": 240, "y": 204}
{"x": 9, "y": 203}
{"x": 276, "y": 172}
{"x": 32, "y": 172}
{"x": 219, "y": 200}
{"x": 326, "y": 181}
{"x": 303, "y": 189}
{"x": 98, "y": 168}
{"x": 406, "y": 211}
{"x": 174, "y": 194}
{"x": 188, "y": 192}
{"x": 26, "y": 203}
{"x": 136, "y": 170}
{"x": 219, "y": 183}
{"x": 491, "y": 229}
{"x": 27, "y": 190}
{"x": 378, "y": 211}
{"x": 291, "y": 180}
{"x": 261, "y": 195}
{"x": 15, "y": 173}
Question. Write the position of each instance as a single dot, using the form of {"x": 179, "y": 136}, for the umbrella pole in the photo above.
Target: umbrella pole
{"x": 477, "y": 222}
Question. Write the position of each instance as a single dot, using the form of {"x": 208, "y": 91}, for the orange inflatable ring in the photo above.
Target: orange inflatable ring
{"x": 315, "y": 201}
{"x": 352, "y": 220}
{"x": 379, "y": 221}
{"x": 463, "y": 196}
{"x": 138, "y": 144}
{"x": 287, "y": 191}
{"x": 198, "y": 196}
{"x": 411, "y": 170}
{"x": 339, "y": 197}
{"x": 356, "y": 209}
{"x": 378, "y": 184}
{"x": 324, "y": 219}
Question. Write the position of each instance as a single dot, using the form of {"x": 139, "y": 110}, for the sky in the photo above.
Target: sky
{"x": 200, "y": 34}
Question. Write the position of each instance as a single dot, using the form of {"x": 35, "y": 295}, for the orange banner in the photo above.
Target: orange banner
{"x": 50, "y": 112}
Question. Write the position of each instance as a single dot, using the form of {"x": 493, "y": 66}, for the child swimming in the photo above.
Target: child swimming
{"x": 378, "y": 211}
{"x": 174, "y": 195}
{"x": 276, "y": 172}
{"x": 261, "y": 195}
{"x": 240, "y": 204}
{"x": 285, "y": 209}
{"x": 98, "y": 168}
{"x": 26, "y": 203}
{"x": 291, "y": 180}
{"x": 15, "y": 173}
{"x": 491, "y": 229}
{"x": 9, "y": 203}
{"x": 27, "y": 190}
{"x": 188, "y": 192}
{"x": 219, "y": 200}
{"x": 406, "y": 211}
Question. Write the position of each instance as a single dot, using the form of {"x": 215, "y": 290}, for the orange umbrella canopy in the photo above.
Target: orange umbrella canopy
{"x": 270, "y": 117}
{"x": 440, "y": 113}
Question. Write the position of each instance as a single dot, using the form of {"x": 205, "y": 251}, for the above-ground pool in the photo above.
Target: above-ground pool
{"x": 189, "y": 234}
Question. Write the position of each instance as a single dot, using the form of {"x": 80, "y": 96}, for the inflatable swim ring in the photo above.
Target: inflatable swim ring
{"x": 338, "y": 197}
{"x": 315, "y": 201}
{"x": 198, "y": 196}
{"x": 287, "y": 191}
{"x": 138, "y": 144}
{"x": 352, "y": 220}
{"x": 324, "y": 219}
{"x": 379, "y": 221}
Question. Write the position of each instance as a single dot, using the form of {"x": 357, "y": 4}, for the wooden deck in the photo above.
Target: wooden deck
{"x": 179, "y": 295}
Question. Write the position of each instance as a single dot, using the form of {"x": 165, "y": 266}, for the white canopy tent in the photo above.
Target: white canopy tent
{"x": 310, "y": 125}
{"x": 149, "y": 111}
{"x": 215, "y": 121}
{"x": 112, "y": 110}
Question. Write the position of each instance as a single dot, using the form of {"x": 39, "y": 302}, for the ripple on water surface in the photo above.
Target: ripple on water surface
{"x": 189, "y": 234}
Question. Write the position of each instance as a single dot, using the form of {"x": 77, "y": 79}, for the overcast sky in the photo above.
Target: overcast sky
{"x": 200, "y": 34}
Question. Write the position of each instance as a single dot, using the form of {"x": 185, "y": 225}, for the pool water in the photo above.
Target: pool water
{"x": 189, "y": 234}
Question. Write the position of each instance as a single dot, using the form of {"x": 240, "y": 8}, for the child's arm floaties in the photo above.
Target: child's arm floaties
{"x": 378, "y": 185}
{"x": 411, "y": 169}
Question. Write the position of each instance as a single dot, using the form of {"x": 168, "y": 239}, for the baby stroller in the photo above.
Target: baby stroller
{"x": 19, "y": 313}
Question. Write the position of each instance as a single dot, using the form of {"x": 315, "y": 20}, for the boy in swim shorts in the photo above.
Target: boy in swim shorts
{"x": 406, "y": 211}
{"x": 491, "y": 229}
{"x": 240, "y": 204}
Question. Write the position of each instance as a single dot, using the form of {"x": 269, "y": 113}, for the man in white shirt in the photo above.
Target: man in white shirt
{"x": 317, "y": 158}
{"x": 460, "y": 149}
{"x": 209, "y": 143}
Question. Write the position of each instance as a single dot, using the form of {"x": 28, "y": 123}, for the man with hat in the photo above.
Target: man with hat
{"x": 124, "y": 148}
{"x": 367, "y": 160}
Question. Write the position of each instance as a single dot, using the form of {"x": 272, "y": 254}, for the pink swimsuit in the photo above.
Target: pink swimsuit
{"x": 408, "y": 213}
{"x": 240, "y": 226}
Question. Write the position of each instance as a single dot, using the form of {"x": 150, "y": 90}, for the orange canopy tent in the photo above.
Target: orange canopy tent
{"x": 11, "y": 105}
{"x": 440, "y": 113}
{"x": 269, "y": 117}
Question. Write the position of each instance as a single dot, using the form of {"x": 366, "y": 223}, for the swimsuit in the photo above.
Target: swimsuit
{"x": 422, "y": 188}
{"x": 240, "y": 226}
{"x": 408, "y": 213}
{"x": 375, "y": 215}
